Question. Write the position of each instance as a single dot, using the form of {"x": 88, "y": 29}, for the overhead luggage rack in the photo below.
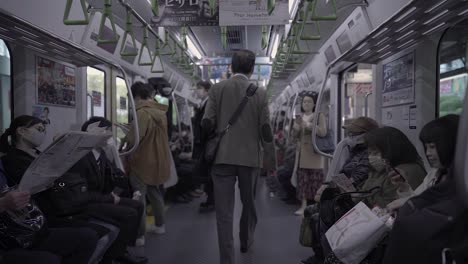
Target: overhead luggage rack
{"x": 415, "y": 21}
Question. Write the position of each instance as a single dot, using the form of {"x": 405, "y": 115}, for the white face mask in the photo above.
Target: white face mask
{"x": 353, "y": 141}
{"x": 377, "y": 162}
{"x": 35, "y": 137}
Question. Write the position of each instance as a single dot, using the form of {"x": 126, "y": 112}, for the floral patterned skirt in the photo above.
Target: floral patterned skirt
{"x": 308, "y": 182}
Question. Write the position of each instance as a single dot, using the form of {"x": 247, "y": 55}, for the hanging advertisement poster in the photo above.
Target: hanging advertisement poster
{"x": 398, "y": 81}
{"x": 97, "y": 98}
{"x": 253, "y": 12}
{"x": 220, "y": 67}
{"x": 123, "y": 103}
{"x": 55, "y": 83}
{"x": 176, "y": 13}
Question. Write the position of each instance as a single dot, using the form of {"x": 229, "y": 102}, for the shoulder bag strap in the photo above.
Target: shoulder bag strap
{"x": 251, "y": 90}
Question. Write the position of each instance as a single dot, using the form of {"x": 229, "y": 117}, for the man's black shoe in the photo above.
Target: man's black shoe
{"x": 311, "y": 260}
{"x": 131, "y": 259}
{"x": 245, "y": 249}
{"x": 206, "y": 207}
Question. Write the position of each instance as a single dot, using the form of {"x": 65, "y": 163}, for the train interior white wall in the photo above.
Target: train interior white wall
{"x": 425, "y": 86}
{"x": 24, "y": 93}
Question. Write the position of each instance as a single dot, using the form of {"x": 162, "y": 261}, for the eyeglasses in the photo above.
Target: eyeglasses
{"x": 40, "y": 129}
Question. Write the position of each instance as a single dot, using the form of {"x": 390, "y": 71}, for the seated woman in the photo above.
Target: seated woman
{"x": 355, "y": 165}
{"x": 70, "y": 202}
{"x": 438, "y": 138}
{"x": 388, "y": 149}
{"x": 48, "y": 246}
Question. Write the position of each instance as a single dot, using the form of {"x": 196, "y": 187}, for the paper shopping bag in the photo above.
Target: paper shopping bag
{"x": 354, "y": 236}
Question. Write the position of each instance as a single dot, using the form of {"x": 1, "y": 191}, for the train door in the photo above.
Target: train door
{"x": 5, "y": 87}
{"x": 356, "y": 91}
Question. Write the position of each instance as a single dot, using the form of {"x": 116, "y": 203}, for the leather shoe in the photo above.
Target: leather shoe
{"x": 245, "y": 249}
{"x": 131, "y": 259}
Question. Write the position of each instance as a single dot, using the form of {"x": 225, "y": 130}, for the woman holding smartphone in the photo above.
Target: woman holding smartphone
{"x": 309, "y": 164}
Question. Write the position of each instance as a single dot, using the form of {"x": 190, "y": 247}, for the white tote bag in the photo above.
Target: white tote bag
{"x": 173, "y": 179}
{"x": 354, "y": 236}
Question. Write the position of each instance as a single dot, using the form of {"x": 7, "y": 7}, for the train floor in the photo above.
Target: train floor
{"x": 191, "y": 237}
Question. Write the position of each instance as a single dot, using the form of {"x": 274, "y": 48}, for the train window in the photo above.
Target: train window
{"x": 453, "y": 70}
{"x": 121, "y": 97}
{"x": 5, "y": 87}
{"x": 96, "y": 82}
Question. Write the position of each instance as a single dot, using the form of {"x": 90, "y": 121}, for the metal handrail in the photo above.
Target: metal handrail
{"x": 135, "y": 117}
{"x": 366, "y": 104}
{"x": 92, "y": 103}
{"x": 314, "y": 125}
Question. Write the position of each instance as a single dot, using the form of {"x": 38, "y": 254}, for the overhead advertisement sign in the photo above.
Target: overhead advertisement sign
{"x": 257, "y": 12}
{"x": 176, "y": 13}
{"x": 398, "y": 86}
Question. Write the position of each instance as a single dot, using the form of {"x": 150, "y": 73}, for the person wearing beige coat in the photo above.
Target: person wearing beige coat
{"x": 150, "y": 164}
{"x": 309, "y": 164}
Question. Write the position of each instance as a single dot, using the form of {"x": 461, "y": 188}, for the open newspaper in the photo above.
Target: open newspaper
{"x": 58, "y": 158}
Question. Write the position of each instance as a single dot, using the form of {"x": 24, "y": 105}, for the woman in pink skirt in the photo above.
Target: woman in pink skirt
{"x": 309, "y": 171}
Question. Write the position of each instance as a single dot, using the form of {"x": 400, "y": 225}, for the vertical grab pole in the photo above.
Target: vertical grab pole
{"x": 135, "y": 117}
{"x": 314, "y": 125}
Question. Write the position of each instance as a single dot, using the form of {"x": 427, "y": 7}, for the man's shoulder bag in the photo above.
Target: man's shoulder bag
{"x": 212, "y": 143}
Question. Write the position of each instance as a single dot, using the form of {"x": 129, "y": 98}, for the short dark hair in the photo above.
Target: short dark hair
{"x": 204, "y": 84}
{"x": 443, "y": 133}
{"x": 21, "y": 121}
{"x": 394, "y": 145}
{"x": 103, "y": 122}
{"x": 141, "y": 90}
{"x": 243, "y": 61}
{"x": 314, "y": 97}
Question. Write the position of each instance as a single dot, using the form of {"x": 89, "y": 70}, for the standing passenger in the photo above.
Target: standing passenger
{"x": 150, "y": 163}
{"x": 309, "y": 163}
{"x": 238, "y": 156}
{"x": 203, "y": 88}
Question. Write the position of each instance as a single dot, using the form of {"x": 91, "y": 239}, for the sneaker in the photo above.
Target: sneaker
{"x": 160, "y": 230}
{"x": 140, "y": 242}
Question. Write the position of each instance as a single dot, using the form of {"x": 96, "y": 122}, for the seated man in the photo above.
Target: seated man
{"x": 70, "y": 202}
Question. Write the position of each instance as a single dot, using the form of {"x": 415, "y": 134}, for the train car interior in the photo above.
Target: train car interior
{"x": 383, "y": 144}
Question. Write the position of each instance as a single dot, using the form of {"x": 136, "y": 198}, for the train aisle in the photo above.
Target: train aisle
{"x": 191, "y": 237}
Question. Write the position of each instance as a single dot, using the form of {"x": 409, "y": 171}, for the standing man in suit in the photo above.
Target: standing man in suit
{"x": 238, "y": 156}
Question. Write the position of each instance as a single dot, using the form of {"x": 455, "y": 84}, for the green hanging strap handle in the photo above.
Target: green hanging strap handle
{"x": 155, "y": 7}
{"x": 310, "y": 11}
{"x": 330, "y": 17}
{"x": 212, "y": 7}
{"x": 271, "y": 6}
{"x": 184, "y": 37}
{"x": 107, "y": 14}
{"x": 259, "y": 68}
{"x": 144, "y": 45}
{"x": 264, "y": 37}
{"x": 128, "y": 33}
{"x": 224, "y": 37}
{"x": 157, "y": 58}
{"x": 209, "y": 71}
{"x": 66, "y": 15}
